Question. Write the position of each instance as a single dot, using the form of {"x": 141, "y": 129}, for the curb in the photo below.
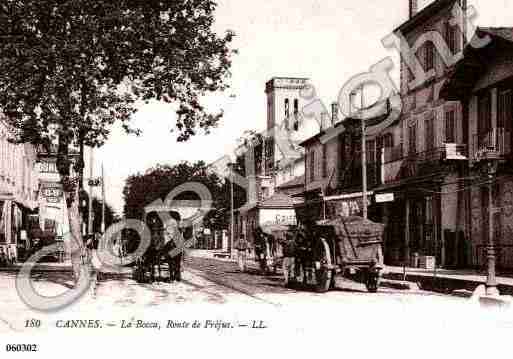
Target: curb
{"x": 399, "y": 285}
{"x": 446, "y": 285}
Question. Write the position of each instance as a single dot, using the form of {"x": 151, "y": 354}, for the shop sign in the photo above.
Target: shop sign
{"x": 346, "y": 207}
{"x": 279, "y": 216}
{"x": 52, "y": 192}
{"x": 385, "y": 197}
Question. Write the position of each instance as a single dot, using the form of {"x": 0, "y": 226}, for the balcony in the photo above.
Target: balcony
{"x": 496, "y": 141}
{"x": 397, "y": 166}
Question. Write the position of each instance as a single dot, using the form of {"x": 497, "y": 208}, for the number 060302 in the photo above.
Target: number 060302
{"x": 21, "y": 348}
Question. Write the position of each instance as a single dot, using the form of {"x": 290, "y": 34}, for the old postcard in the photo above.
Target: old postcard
{"x": 256, "y": 178}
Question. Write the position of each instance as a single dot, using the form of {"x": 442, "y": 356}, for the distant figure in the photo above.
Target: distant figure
{"x": 242, "y": 248}
{"x": 3, "y": 257}
{"x": 289, "y": 254}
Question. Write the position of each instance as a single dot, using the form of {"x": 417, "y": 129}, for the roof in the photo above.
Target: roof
{"x": 469, "y": 69}
{"x": 319, "y": 135}
{"x": 424, "y": 14}
{"x": 278, "y": 201}
{"x": 295, "y": 182}
{"x": 505, "y": 33}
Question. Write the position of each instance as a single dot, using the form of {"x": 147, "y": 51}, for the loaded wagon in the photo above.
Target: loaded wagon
{"x": 350, "y": 246}
{"x": 268, "y": 245}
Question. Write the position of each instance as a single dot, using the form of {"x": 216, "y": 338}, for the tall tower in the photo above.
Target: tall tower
{"x": 284, "y": 114}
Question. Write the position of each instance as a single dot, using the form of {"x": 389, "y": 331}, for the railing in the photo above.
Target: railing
{"x": 496, "y": 140}
{"x": 503, "y": 255}
{"x": 397, "y": 166}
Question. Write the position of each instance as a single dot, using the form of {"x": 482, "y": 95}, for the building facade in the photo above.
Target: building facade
{"x": 18, "y": 193}
{"x": 483, "y": 82}
{"x": 424, "y": 169}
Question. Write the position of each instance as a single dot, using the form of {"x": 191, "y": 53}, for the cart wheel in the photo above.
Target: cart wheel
{"x": 372, "y": 282}
{"x": 323, "y": 280}
{"x": 324, "y": 276}
{"x": 332, "y": 282}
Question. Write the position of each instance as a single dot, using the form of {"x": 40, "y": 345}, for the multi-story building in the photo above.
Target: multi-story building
{"x": 281, "y": 170}
{"x": 423, "y": 170}
{"x": 333, "y": 178}
{"x": 52, "y": 222}
{"x": 483, "y": 82}
{"x": 18, "y": 192}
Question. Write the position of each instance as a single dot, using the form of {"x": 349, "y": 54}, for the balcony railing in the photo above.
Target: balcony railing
{"x": 398, "y": 166}
{"x": 496, "y": 140}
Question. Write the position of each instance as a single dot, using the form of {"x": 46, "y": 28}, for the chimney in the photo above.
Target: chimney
{"x": 334, "y": 113}
{"x": 414, "y": 7}
{"x": 325, "y": 121}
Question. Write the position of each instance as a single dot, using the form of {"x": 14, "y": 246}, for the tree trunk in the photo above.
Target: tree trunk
{"x": 75, "y": 242}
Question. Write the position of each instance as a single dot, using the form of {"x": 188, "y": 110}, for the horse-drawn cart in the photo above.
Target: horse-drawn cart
{"x": 268, "y": 245}
{"x": 171, "y": 229}
{"x": 347, "y": 245}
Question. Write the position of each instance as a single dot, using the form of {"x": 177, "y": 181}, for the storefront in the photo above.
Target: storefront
{"x": 276, "y": 210}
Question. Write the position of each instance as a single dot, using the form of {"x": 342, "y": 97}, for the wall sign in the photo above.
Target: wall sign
{"x": 385, "y": 197}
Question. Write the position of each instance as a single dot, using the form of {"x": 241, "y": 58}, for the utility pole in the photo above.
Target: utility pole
{"x": 103, "y": 202}
{"x": 232, "y": 217}
{"x": 364, "y": 156}
{"x": 90, "y": 218}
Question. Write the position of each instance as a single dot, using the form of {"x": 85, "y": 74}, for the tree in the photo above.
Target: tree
{"x": 110, "y": 215}
{"x": 70, "y": 69}
{"x": 156, "y": 183}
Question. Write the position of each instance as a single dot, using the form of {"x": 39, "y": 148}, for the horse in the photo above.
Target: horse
{"x": 161, "y": 250}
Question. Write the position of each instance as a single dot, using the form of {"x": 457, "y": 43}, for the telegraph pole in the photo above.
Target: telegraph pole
{"x": 103, "y": 202}
{"x": 364, "y": 156}
{"x": 232, "y": 217}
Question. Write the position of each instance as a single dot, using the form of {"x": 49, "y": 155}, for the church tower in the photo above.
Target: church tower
{"x": 284, "y": 114}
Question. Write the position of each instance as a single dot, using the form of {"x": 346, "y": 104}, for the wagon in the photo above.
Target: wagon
{"x": 349, "y": 246}
{"x": 187, "y": 214}
{"x": 268, "y": 246}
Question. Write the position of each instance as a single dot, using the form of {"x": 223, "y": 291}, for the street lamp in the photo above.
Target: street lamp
{"x": 489, "y": 163}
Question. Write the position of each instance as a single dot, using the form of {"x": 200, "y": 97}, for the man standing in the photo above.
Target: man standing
{"x": 242, "y": 248}
{"x": 3, "y": 257}
{"x": 289, "y": 254}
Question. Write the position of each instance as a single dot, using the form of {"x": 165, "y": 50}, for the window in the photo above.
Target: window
{"x": 412, "y": 139}
{"x": 450, "y": 127}
{"x": 296, "y": 115}
{"x": 371, "y": 151}
{"x": 388, "y": 140}
{"x": 505, "y": 109}
{"x": 484, "y": 121}
{"x": 429, "y": 59}
{"x": 312, "y": 166}
{"x": 287, "y": 113}
{"x": 324, "y": 162}
{"x": 430, "y": 133}
{"x": 451, "y": 38}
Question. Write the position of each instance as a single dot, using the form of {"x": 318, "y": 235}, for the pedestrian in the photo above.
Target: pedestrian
{"x": 289, "y": 254}
{"x": 242, "y": 248}
{"x": 3, "y": 257}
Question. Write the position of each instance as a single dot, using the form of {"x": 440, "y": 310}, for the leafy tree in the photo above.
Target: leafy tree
{"x": 69, "y": 69}
{"x": 110, "y": 215}
{"x": 156, "y": 183}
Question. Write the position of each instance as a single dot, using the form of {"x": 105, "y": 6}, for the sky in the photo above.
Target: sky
{"x": 328, "y": 41}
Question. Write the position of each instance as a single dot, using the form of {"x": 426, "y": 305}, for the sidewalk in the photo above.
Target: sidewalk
{"x": 445, "y": 280}
{"x": 441, "y": 280}
{"x": 40, "y": 267}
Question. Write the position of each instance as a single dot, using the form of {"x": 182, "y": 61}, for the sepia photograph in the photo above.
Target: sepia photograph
{"x": 235, "y": 178}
